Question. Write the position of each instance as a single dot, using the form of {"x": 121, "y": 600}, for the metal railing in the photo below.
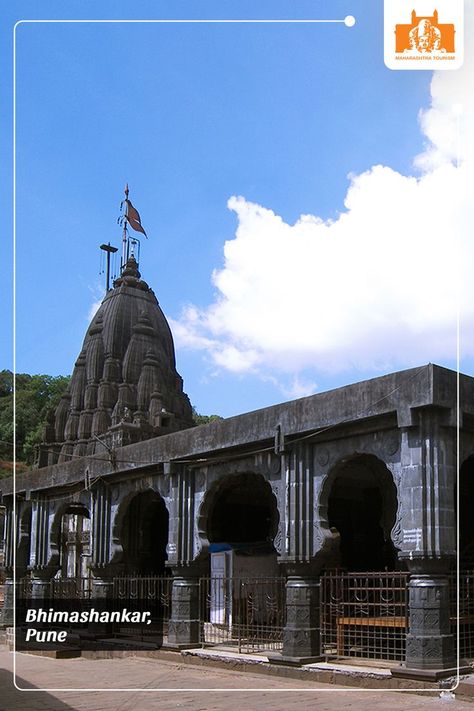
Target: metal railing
{"x": 245, "y": 613}
{"x": 71, "y": 588}
{"x": 151, "y": 593}
{"x": 58, "y": 588}
{"x": 465, "y": 620}
{"x": 364, "y": 615}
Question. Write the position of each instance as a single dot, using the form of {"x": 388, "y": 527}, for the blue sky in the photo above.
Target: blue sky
{"x": 290, "y": 117}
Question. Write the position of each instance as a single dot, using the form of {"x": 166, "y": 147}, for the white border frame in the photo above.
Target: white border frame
{"x": 349, "y": 22}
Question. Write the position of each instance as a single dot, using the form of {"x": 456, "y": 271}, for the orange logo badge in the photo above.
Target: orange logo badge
{"x": 426, "y": 42}
{"x": 424, "y": 36}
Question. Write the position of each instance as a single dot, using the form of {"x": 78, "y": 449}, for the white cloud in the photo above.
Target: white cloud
{"x": 299, "y": 388}
{"x": 376, "y": 288}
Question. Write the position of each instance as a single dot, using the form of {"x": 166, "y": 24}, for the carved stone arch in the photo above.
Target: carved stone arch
{"x": 396, "y": 532}
{"x": 77, "y": 505}
{"x": 151, "y": 519}
{"x": 62, "y": 508}
{"x": 263, "y": 500}
{"x": 122, "y": 507}
{"x": 369, "y": 477}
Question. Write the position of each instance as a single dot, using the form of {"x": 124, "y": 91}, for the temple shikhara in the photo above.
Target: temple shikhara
{"x": 319, "y": 529}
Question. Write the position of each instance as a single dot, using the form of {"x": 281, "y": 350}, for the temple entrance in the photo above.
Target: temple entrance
{"x": 242, "y": 596}
{"x": 243, "y": 511}
{"x": 145, "y": 535}
{"x": 363, "y": 610}
{"x": 362, "y": 506}
{"x": 75, "y": 542}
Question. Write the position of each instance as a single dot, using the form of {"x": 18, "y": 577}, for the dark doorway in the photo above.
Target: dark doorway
{"x": 145, "y": 535}
{"x": 244, "y": 510}
{"x": 24, "y": 542}
{"x": 466, "y": 518}
{"x": 362, "y": 507}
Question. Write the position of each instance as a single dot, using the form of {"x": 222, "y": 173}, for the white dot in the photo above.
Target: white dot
{"x": 349, "y": 21}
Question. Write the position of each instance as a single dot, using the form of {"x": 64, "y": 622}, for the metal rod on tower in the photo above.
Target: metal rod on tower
{"x": 110, "y": 250}
{"x": 125, "y": 235}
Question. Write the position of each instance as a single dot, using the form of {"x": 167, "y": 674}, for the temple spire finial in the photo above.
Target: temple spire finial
{"x": 129, "y": 216}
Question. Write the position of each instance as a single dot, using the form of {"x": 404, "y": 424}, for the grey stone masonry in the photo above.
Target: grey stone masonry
{"x": 101, "y": 526}
{"x": 184, "y": 625}
{"x": 429, "y": 643}
{"x": 394, "y": 435}
{"x": 428, "y": 459}
{"x": 8, "y": 603}
{"x": 301, "y": 633}
{"x": 402, "y": 393}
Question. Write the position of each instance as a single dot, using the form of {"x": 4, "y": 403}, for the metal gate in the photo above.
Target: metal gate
{"x": 364, "y": 615}
{"x": 248, "y": 614}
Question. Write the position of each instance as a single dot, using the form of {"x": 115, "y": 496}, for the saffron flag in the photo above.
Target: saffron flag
{"x": 134, "y": 218}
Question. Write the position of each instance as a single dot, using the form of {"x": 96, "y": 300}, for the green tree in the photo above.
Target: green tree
{"x": 204, "y": 419}
{"x": 35, "y": 395}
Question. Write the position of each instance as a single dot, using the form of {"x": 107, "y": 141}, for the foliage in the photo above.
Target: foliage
{"x": 204, "y": 419}
{"x": 35, "y": 396}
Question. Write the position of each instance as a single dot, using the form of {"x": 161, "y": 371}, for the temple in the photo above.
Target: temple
{"x": 339, "y": 510}
{"x": 124, "y": 387}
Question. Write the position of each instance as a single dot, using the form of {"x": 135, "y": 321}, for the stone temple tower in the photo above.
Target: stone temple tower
{"x": 124, "y": 387}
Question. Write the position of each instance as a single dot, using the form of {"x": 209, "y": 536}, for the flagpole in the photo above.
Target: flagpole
{"x": 125, "y": 237}
{"x": 129, "y": 216}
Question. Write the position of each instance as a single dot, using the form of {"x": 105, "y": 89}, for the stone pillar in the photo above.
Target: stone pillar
{"x": 102, "y": 585}
{"x": 428, "y": 546}
{"x": 102, "y": 590}
{"x": 430, "y": 643}
{"x": 184, "y": 625}
{"x": 7, "y": 610}
{"x": 301, "y": 639}
{"x": 101, "y": 543}
{"x": 101, "y": 525}
{"x": 6, "y": 619}
{"x": 41, "y": 583}
{"x": 183, "y": 542}
{"x": 302, "y": 540}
